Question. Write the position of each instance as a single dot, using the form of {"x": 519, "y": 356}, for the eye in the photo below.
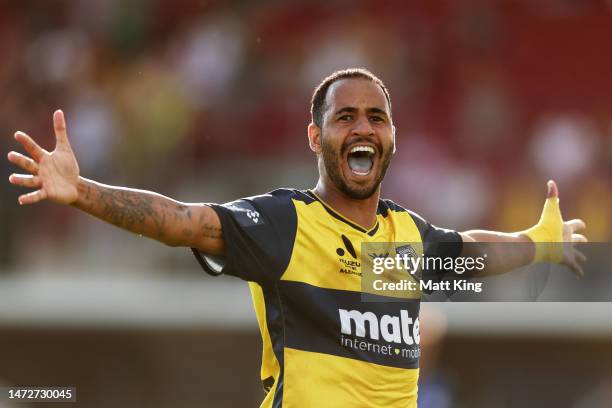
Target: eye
{"x": 376, "y": 119}
{"x": 345, "y": 117}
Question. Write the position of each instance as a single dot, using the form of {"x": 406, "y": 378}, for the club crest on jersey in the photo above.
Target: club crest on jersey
{"x": 406, "y": 250}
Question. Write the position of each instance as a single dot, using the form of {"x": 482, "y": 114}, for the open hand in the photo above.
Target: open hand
{"x": 54, "y": 175}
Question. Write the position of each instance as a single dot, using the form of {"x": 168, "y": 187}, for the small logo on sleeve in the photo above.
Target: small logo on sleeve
{"x": 244, "y": 212}
{"x": 253, "y": 215}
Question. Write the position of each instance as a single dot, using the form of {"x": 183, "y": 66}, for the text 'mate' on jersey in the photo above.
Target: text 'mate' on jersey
{"x": 322, "y": 345}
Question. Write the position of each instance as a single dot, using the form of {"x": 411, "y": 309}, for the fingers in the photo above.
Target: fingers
{"x": 32, "y": 197}
{"x": 576, "y": 268}
{"x": 24, "y": 162}
{"x": 25, "y": 180}
{"x": 579, "y": 238}
{"x": 30, "y": 145}
{"x": 59, "y": 125}
{"x": 553, "y": 191}
{"x": 575, "y": 262}
{"x": 29, "y": 181}
{"x": 579, "y": 256}
{"x": 576, "y": 225}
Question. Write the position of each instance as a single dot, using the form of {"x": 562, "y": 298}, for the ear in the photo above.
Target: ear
{"x": 314, "y": 137}
{"x": 393, "y": 132}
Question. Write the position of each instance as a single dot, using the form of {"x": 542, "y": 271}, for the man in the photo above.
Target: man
{"x": 301, "y": 250}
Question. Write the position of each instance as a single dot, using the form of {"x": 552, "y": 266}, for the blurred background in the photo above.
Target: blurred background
{"x": 208, "y": 100}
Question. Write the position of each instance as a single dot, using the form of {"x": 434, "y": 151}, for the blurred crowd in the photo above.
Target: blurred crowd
{"x": 208, "y": 100}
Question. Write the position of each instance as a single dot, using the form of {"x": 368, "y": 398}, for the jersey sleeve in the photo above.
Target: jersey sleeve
{"x": 258, "y": 233}
{"x": 441, "y": 242}
{"x": 437, "y": 243}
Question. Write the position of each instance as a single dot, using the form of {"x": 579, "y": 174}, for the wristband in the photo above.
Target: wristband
{"x": 547, "y": 234}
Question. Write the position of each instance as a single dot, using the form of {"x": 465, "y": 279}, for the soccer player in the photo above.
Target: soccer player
{"x": 300, "y": 251}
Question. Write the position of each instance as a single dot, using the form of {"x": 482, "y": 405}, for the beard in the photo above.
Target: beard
{"x": 332, "y": 160}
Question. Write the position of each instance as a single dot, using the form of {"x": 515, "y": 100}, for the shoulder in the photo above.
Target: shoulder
{"x": 280, "y": 196}
{"x": 386, "y": 207}
{"x": 440, "y": 241}
{"x": 258, "y": 209}
{"x": 273, "y": 200}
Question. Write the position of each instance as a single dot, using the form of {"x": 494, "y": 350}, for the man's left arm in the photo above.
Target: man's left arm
{"x": 550, "y": 240}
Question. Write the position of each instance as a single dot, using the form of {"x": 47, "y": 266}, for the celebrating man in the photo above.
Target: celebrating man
{"x": 301, "y": 250}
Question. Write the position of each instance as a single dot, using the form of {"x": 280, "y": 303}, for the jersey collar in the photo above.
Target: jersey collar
{"x": 341, "y": 217}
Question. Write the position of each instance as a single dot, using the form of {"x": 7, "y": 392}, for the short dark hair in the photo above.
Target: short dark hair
{"x": 319, "y": 96}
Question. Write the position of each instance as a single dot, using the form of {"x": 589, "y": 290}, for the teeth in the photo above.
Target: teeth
{"x": 368, "y": 149}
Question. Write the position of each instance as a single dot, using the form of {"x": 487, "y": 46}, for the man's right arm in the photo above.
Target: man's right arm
{"x": 55, "y": 176}
{"x": 153, "y": 215}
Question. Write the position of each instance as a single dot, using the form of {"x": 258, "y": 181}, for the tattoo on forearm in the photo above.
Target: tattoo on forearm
{"x": 128, "y": 210}
{"x": 209, "y": 230}
{"x": 149, "y": 214}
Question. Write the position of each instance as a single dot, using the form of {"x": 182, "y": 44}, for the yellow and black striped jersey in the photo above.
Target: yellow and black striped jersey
{"x": 323, "y": 345}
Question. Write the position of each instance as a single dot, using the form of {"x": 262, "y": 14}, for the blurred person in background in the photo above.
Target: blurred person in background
{"x": 436, "y": 388}
{"x": 280, "y": 243}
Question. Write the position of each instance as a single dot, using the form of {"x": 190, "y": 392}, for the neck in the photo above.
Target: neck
{"x": 361, "y": 212}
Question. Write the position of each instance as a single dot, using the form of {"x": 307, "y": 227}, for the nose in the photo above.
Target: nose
{"x": 363, "y": 127}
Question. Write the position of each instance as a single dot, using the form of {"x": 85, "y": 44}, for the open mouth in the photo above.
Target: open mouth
{"x": 361, "y": 160}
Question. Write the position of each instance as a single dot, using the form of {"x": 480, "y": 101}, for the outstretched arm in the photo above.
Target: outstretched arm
{"x": 55, "y": 176}
{"x": 551, "y": 240}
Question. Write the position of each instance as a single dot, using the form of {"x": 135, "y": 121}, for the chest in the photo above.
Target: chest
{"x": 330, "y": 253}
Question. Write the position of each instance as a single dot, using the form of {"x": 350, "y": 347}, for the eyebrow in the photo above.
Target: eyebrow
{"x": 349, "y": 109}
